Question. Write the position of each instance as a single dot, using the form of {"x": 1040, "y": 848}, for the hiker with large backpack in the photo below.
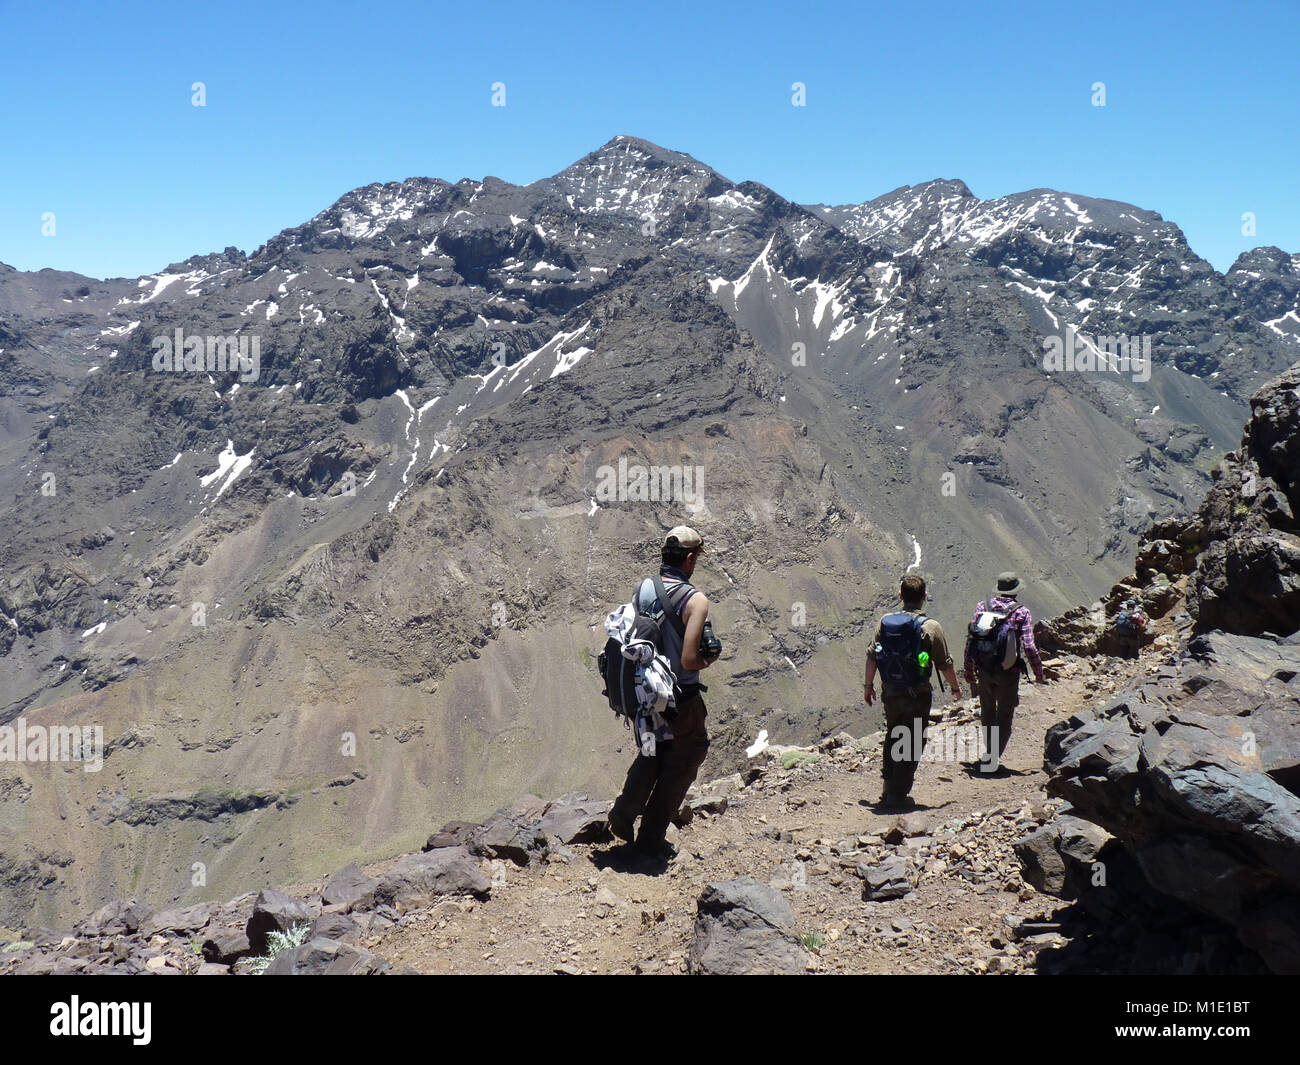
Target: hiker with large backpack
{"x": 1129, "y": 628}
{"x": 907, "y": 649}
{"x": 665, "y": 626}
{"x": 999, "y": 633}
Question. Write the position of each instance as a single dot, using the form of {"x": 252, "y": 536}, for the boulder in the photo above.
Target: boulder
{"x": 351, "y": 888}
{"x": 452, "y": 834}
{"x": 1248, "y": 583}
{"x": 709, "y": 805}
{"x": 1058, "y": 858}
{"x": 907, "y": 826}
{"x": 338, "y": 926}
{"x": 116, "y": 918}
{"x": 531, "y": 807}
{"x": 227, "y": 946}
{"x": 576, "y": 819}
{"x": 184, "y": 919}
{"x": 886, "y": 879}
{"x": 274, "y": 911}
{"x": 509, "y": 836}
{"x": 743, "y": 927}
{"x": 419, "y": 879}
{"x": 327, "y": 957}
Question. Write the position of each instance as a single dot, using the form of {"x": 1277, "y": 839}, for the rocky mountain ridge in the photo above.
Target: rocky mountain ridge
{"x": 1196, "y": 770}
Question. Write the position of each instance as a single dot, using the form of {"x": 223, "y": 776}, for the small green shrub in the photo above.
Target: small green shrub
{"x": 794, "y": 758}
{"x": 276, "y": 944}
{"x": 814, "y": 941}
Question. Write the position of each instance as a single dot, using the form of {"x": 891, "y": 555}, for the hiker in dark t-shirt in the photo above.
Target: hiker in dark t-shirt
{"x": 657, "y": 783}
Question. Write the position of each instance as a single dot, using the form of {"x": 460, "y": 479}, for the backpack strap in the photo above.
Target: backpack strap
{"x": 677, "y": 623}
{"x": 921, "y": 619}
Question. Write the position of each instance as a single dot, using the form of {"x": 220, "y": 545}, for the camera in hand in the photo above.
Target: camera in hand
{"x": 710, "y": 645}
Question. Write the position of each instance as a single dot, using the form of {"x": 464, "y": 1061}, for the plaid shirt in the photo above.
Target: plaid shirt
{"x": 1024, "y": 622}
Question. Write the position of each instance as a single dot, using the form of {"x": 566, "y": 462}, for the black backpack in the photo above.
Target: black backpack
{"x": 897, "y": 646}
{"x": 994, "y": 645}
{"x": 618, "y": 673}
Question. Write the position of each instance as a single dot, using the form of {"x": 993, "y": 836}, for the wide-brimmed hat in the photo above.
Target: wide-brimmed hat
{"x": 1008, "y": 583}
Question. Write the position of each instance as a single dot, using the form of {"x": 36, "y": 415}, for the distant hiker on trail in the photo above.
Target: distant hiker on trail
{"x": 1000, "y": 630}
{"x": 670, "y": 752}
{"x": 907, "y": 647}
{"x": 1130, "y": 626}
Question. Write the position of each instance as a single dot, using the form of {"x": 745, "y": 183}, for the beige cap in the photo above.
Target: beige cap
{"x": 686, "y": 536}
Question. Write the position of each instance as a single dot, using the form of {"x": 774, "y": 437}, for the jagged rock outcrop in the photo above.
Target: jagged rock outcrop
{"x": 1247, "y": 577}
{"x": 528, "y": 830}
{"x": 1236, "y": 563}
{"x": 1198, "y": 773}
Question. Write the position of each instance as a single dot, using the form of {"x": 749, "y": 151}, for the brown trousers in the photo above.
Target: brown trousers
{"x": 907, "y": 716}
{"x": 656, "y": 787}
{"x": 999, "y": 697}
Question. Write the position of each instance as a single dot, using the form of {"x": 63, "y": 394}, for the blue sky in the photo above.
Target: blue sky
{"x": 308, "y": 100}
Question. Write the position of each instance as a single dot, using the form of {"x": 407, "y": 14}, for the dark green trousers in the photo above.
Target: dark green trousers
{"x": 656, "y": 787}
{"x": 907, "y": 716}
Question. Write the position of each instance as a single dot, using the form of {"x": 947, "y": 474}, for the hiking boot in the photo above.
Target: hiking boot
{"x": 662, "y": 851}
{"x": 621, "y": 827}
{"x": 895, "y": 801}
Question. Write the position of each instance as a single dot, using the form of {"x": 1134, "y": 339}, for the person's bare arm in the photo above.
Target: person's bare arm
{"x": 868, "y": 684}
{"x": 941, "y": 657}
{"x": 694, "y": 613}
{"x": 950, "y": 675}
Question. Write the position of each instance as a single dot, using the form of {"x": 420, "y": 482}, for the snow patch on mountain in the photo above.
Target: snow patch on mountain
{"x": 119, "y": 330}
{"x": 400, "y": 328}
{"x": 229, "y": 466}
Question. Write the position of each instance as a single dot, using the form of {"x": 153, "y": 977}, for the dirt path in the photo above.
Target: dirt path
{"x": 804, "y": 830}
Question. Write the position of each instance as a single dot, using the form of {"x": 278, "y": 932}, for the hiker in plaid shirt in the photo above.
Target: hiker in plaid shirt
{"x": 999, "y": 689}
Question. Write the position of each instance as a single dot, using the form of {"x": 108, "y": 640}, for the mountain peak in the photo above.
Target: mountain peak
{"x": 634, "y": 175}
{"x": 1268, "y": 259}
{"x": 646, "y": 151}
{"x": 929, "y": 189}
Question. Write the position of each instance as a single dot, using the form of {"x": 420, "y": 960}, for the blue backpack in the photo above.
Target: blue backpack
{"x": 898, "y": 646}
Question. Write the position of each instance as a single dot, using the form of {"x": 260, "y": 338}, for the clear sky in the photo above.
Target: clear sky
{"x": 305, "y": 101}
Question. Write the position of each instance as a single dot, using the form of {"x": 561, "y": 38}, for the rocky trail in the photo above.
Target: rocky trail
{"x": 805, "y": 825}
{"x": 948, "y": 892}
